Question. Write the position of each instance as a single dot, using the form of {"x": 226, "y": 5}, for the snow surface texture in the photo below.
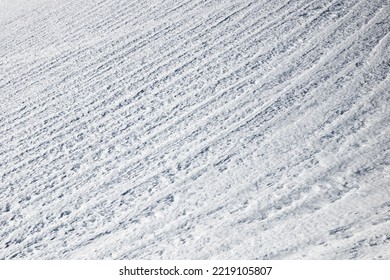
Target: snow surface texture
{"x": 194, "y": 129}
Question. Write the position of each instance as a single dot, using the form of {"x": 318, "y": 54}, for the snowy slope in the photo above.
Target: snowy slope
{"x": 201, "y": 129}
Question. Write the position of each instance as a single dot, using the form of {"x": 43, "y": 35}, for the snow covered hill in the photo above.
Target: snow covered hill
{"x": 200, "y": 129}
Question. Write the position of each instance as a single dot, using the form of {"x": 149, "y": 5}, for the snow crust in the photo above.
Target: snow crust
{"x": 194, "y": 129}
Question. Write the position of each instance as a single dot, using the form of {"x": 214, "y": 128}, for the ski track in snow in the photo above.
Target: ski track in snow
{"x": 194, "y": 129}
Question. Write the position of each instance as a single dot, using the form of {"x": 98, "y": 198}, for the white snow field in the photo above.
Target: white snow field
{"x": 200, "y": 129}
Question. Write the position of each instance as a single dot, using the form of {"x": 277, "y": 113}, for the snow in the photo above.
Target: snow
{"x": 194, "y": 129}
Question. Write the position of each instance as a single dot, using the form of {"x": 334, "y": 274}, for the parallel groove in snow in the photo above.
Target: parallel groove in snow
{"x": 136, "y": 129}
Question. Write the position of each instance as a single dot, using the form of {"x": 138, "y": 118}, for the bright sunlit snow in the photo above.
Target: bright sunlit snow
{"x": 199, "y": 129}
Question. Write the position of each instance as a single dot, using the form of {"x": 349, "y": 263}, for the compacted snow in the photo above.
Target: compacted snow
{"x": 198, "y": 129}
